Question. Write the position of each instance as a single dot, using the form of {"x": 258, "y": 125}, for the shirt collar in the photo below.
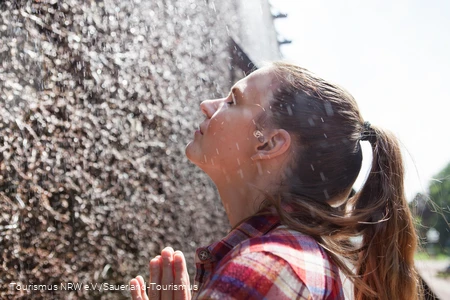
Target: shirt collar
{"x": 254, "y": 226}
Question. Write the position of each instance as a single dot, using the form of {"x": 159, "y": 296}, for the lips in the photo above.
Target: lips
{"x": 202, "y": 129}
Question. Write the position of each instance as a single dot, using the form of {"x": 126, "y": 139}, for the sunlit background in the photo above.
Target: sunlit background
{"x": 393, "y": 57}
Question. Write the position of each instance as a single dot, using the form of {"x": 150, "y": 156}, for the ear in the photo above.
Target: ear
{"x": 276, "y": 144}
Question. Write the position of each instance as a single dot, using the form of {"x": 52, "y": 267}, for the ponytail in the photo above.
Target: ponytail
{"x": 326, "y": 128}
{"x": 386, "y": 262}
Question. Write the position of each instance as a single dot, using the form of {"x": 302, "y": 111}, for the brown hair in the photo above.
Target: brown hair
{"x": 326, "y": 126}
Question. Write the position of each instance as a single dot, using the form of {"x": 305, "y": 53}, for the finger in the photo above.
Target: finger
{"x": 135, "y": 289}
{"x": 155, "y": 278}
{"x": 181, "y": 277}
{"x": 143, "y": 287}
{"x": 167, "y": 273}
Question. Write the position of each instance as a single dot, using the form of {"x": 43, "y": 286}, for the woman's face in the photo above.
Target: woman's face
{"x": 226, "y": 141}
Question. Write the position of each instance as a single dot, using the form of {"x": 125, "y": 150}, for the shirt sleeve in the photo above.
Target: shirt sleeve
{"x": 254, "y": 275}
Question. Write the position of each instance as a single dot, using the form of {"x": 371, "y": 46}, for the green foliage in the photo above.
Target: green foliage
{"x": 433, "y": 211}
{"x": 439, "y": 192}
{"x": 422, "y": 255}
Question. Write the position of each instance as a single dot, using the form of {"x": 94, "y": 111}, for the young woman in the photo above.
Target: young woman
{"x": 283, "y": 149}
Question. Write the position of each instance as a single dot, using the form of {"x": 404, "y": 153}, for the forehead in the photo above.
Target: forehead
{"x": 257, "y": 87}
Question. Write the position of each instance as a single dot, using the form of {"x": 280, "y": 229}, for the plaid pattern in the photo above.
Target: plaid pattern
{"x": 261, "y": 259}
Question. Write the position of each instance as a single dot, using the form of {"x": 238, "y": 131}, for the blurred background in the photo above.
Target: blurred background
{"x": 99, "y": 98}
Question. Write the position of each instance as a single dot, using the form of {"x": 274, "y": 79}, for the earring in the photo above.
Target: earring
{"x": 257, "y": 134}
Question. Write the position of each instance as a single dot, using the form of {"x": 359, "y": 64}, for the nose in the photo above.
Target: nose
{"x": 209, "y": 107}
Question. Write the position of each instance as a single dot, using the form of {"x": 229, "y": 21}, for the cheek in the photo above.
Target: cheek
{"x": 222, "y": 143}
{"x": 232, "y": 145}
{"x": 219, "y": 126}
{"x": 228, "y": 138}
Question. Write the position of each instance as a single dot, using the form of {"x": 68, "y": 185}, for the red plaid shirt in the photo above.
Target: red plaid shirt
{"x": 260, "y": 259}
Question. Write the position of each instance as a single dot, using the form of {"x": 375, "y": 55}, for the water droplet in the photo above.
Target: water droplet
{"x": 260, "y": 171}
{"x": 234, "y": 99}
{"x": 328, "y": 109}
{"x": 322, "y": 176}
{"x": 289, "y": 110}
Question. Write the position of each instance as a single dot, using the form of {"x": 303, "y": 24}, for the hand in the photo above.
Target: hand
{"x": 169, "y": 279}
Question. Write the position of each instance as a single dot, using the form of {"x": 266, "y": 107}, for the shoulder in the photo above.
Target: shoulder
{"x": 283, "y": 241}
{"x": 296, "y": 248}
{"x": 284, "y": 249}
{"x": 254, "y": 275}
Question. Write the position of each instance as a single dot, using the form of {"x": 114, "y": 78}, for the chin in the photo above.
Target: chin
{"x": 190, "y": 153}
{"x": 188, "y": 150}
{"x": 196, "y": 157}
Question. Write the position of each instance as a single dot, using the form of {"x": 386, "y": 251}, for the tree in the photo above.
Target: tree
{"x": 422, "y": 213}
{"x": 433, "y": 210}
{"x": 439, "y": 192}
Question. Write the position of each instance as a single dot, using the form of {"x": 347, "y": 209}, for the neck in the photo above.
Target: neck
{"x": 242, "y": 195}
